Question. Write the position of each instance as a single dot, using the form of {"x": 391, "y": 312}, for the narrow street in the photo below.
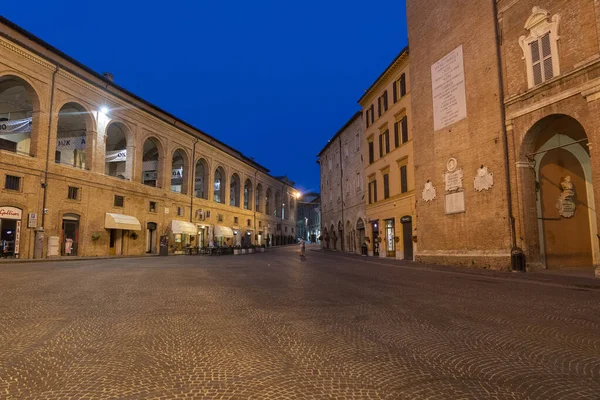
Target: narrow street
{"x": 270, "y": 326}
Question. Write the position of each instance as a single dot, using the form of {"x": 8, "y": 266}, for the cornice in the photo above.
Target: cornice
{"x": 24, "y": 53}
{"x": 400, "y": 62}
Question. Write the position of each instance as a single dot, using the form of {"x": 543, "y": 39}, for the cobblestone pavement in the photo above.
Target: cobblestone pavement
{"x": 270, "y": 326}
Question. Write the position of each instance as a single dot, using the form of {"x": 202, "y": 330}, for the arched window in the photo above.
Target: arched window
{"x": 234, "y": 191}
{"x": 540, "y": 47}
{"x": 219, "y": 186}
{"x": 258, "y": 198}
{"x": 71, "y": 138}
{"x": 18, "y": 102}
{"x": 247, "y": 194}
{"x": 115, "y": 156}
{"x": 201, "y": 178}
{"x": 268, "y": 199}
{"x": 150, "y": 163}
{"x": 277, "y": 208}
{"x": 179, "y": 172}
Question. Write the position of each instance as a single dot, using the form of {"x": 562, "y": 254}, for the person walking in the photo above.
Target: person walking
{"x": 302, "y": 247}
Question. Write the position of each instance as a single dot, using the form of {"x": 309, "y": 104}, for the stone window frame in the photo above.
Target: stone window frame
{"x": 539, "y": 24}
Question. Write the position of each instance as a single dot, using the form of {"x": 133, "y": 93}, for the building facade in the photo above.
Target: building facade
{"x": 518, "y": 117}
{"x": 89, "y": 169}
{"x": 388, "y": 163}
{"x": 342, "y": 188}
{"x": 308, "y": 217}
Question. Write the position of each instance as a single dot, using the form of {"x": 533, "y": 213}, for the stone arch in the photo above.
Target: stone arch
{"x": 19, "y": 111}
{"x": 269, "y": 201}
{"x": 180, "y": 166}
{"x": 75, "y": 136}
{"x": 152, "y": 159}
{"x": 201, "y": 178}
{"x": 277, "y": 204}
{"x": 118, "y": 150}
{"x": 219, "y": 184}
{"x": 556, "y": 156}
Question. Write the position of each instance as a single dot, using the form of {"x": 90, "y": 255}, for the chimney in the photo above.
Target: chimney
{"x": 108, "y": 76}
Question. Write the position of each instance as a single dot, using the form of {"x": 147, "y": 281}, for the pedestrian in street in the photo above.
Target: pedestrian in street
{"x": 302, "y": 247}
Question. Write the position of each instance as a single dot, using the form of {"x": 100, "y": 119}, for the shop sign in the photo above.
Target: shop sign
{"x": 15, "y": 126}
{"x": 18, "y": 237}
{"x": 32, "y": 223}
{"x": 10, "y": 213}
{"x": 406, "y": 219}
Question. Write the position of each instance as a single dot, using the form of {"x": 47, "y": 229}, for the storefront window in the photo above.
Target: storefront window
{"x": 389, "y": 233}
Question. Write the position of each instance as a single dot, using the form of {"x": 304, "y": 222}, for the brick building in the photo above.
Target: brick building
{"x": 508, "y": 115}
{"x": 388, "y": 162}
{"x": 107, "y": 173}
{"x": 342, "y": 188}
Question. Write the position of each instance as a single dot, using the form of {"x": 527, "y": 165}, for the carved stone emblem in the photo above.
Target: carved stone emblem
{"x": 484, "y": 179}
{"x": 453, "y": 177}
{"x": 428, "y": 191}
{"x": 565, "y": 203}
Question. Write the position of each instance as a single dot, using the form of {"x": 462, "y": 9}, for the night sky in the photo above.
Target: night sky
{"x": 273, "y": 79}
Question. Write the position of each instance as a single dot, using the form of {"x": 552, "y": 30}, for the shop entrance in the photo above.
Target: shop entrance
{"x": 8, "y": 230}
{"x": 115, "y": 247}
{"x": 70, "y": 235}
{"x": 375, "y": 239}
{"x": 390, "y": 238}
{"x": 151, "y": 238}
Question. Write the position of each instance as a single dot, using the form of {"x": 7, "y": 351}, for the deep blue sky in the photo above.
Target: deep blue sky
{"x": 273, "y": 79}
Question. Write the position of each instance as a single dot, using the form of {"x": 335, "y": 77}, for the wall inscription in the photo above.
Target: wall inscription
{"x": 455, "y": 202}
{"x": 448, "y": 84}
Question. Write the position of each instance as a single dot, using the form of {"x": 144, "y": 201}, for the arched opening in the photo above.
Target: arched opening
{"x": 350, "y": 238}
{"x": 201, "y": 179}
{"x": 268, "y": 200}
{"x": 334, "y": 236}
{"x": 561, "y": 232}
{"x": 277, "y": 212}
{"x": 150, "y": 163}
{"x": 248, "y": 195}
{"x": 234, "y": 191}
{"x": 115, "y": 155}
{"x": 71, "y": 137}
{"x": 70, "y": 235}
{"x": 258, "y": 198}
{"x": 340, "y": 234}
{"x": 18, "y": 127}
{"x": 285, "y": 207}
{"x": 360, "y": 232}
{"x": 219, "y": 186}
{"x": 326, "y": 237}
{"x": 179, "y": 168}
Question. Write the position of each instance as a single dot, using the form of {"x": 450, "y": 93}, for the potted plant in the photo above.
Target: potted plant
{"x": 262, "y": 248}
{"x": 134, "y": 235}
{"x": 237, "y": 250}
{"x": 96, "y": 236}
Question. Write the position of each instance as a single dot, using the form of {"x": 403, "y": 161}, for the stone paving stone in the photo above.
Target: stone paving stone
{"x": 269, "y": 326}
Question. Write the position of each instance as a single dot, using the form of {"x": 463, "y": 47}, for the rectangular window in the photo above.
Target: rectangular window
{"x": 119, "y": 201}
{"x": 260, "y": 224}
{"x": 248, "y": 222}
{"x": 279, "y": 227}
{"x": 152, "y": 206}
{"x": 219, "y": 217}
{"x": 395, "y": 92}
{"x": 403, "y": 180}
{"x": 541, "y": 59}
{"x": 402, "y": 85}
{"x": 357, "y": 142}
{"x": 379, "y": 106}
{"x": 372, "y": 113}
{"x": 386, "y": 136}
{"x": 367, "y": 118}
{"x": 385, "y": 100}
{"x": 386, "y": 186}
{"x": 180, "y": 211}
{"x": 235, "y": 220}
{"x": 73, "y": 193}
{"x": 372, "y": 192}
{"x": 380, "y": 145}
{"x": 404, "y": 123}
{"x": 371, "y": 152}
{"x": 12, "y": 182}
{"x": 396, "y": 134}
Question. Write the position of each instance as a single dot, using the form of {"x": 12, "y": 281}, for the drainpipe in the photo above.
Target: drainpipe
{"x": 513, "y": 235}
{"x": 342, "y": 194}
{"x": 38, "y": 248}
{"x": 192, "y": 193}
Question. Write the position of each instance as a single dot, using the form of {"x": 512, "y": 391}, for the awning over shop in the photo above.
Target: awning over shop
{"x": 120, "y": 221}
{"x": 186, "y": 228}
{"x": 223, "y": 231}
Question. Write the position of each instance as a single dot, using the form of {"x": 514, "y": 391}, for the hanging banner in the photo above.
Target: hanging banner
{"x": 15, "y": 126}
{"x": 18, "y": 238}
{"x": 177, "y": 173}
{"x": 70, "y": 143}
{"x": 116, "y": 156}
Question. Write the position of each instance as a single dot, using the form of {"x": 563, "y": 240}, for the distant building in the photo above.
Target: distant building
{"x": 342, "y": 188}
{"x": 389, "y": 163}
{"x": 308, "y": 217}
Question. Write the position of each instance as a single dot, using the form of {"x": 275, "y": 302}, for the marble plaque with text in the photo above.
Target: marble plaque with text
{"x": 448, "y": 84}
{"x": 455, "y": 202}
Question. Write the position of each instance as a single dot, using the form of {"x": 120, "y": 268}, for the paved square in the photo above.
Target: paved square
{"x": 268, "y": 326}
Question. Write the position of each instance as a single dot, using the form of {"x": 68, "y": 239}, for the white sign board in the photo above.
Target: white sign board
{"x": 455, "y": 202}
{"x": 448, "y": 83}
{"x": 10, "y": 213}
{"x": 32, "y": 223}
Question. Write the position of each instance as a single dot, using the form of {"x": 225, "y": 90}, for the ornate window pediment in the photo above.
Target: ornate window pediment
{"x": 540, "y": 47}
